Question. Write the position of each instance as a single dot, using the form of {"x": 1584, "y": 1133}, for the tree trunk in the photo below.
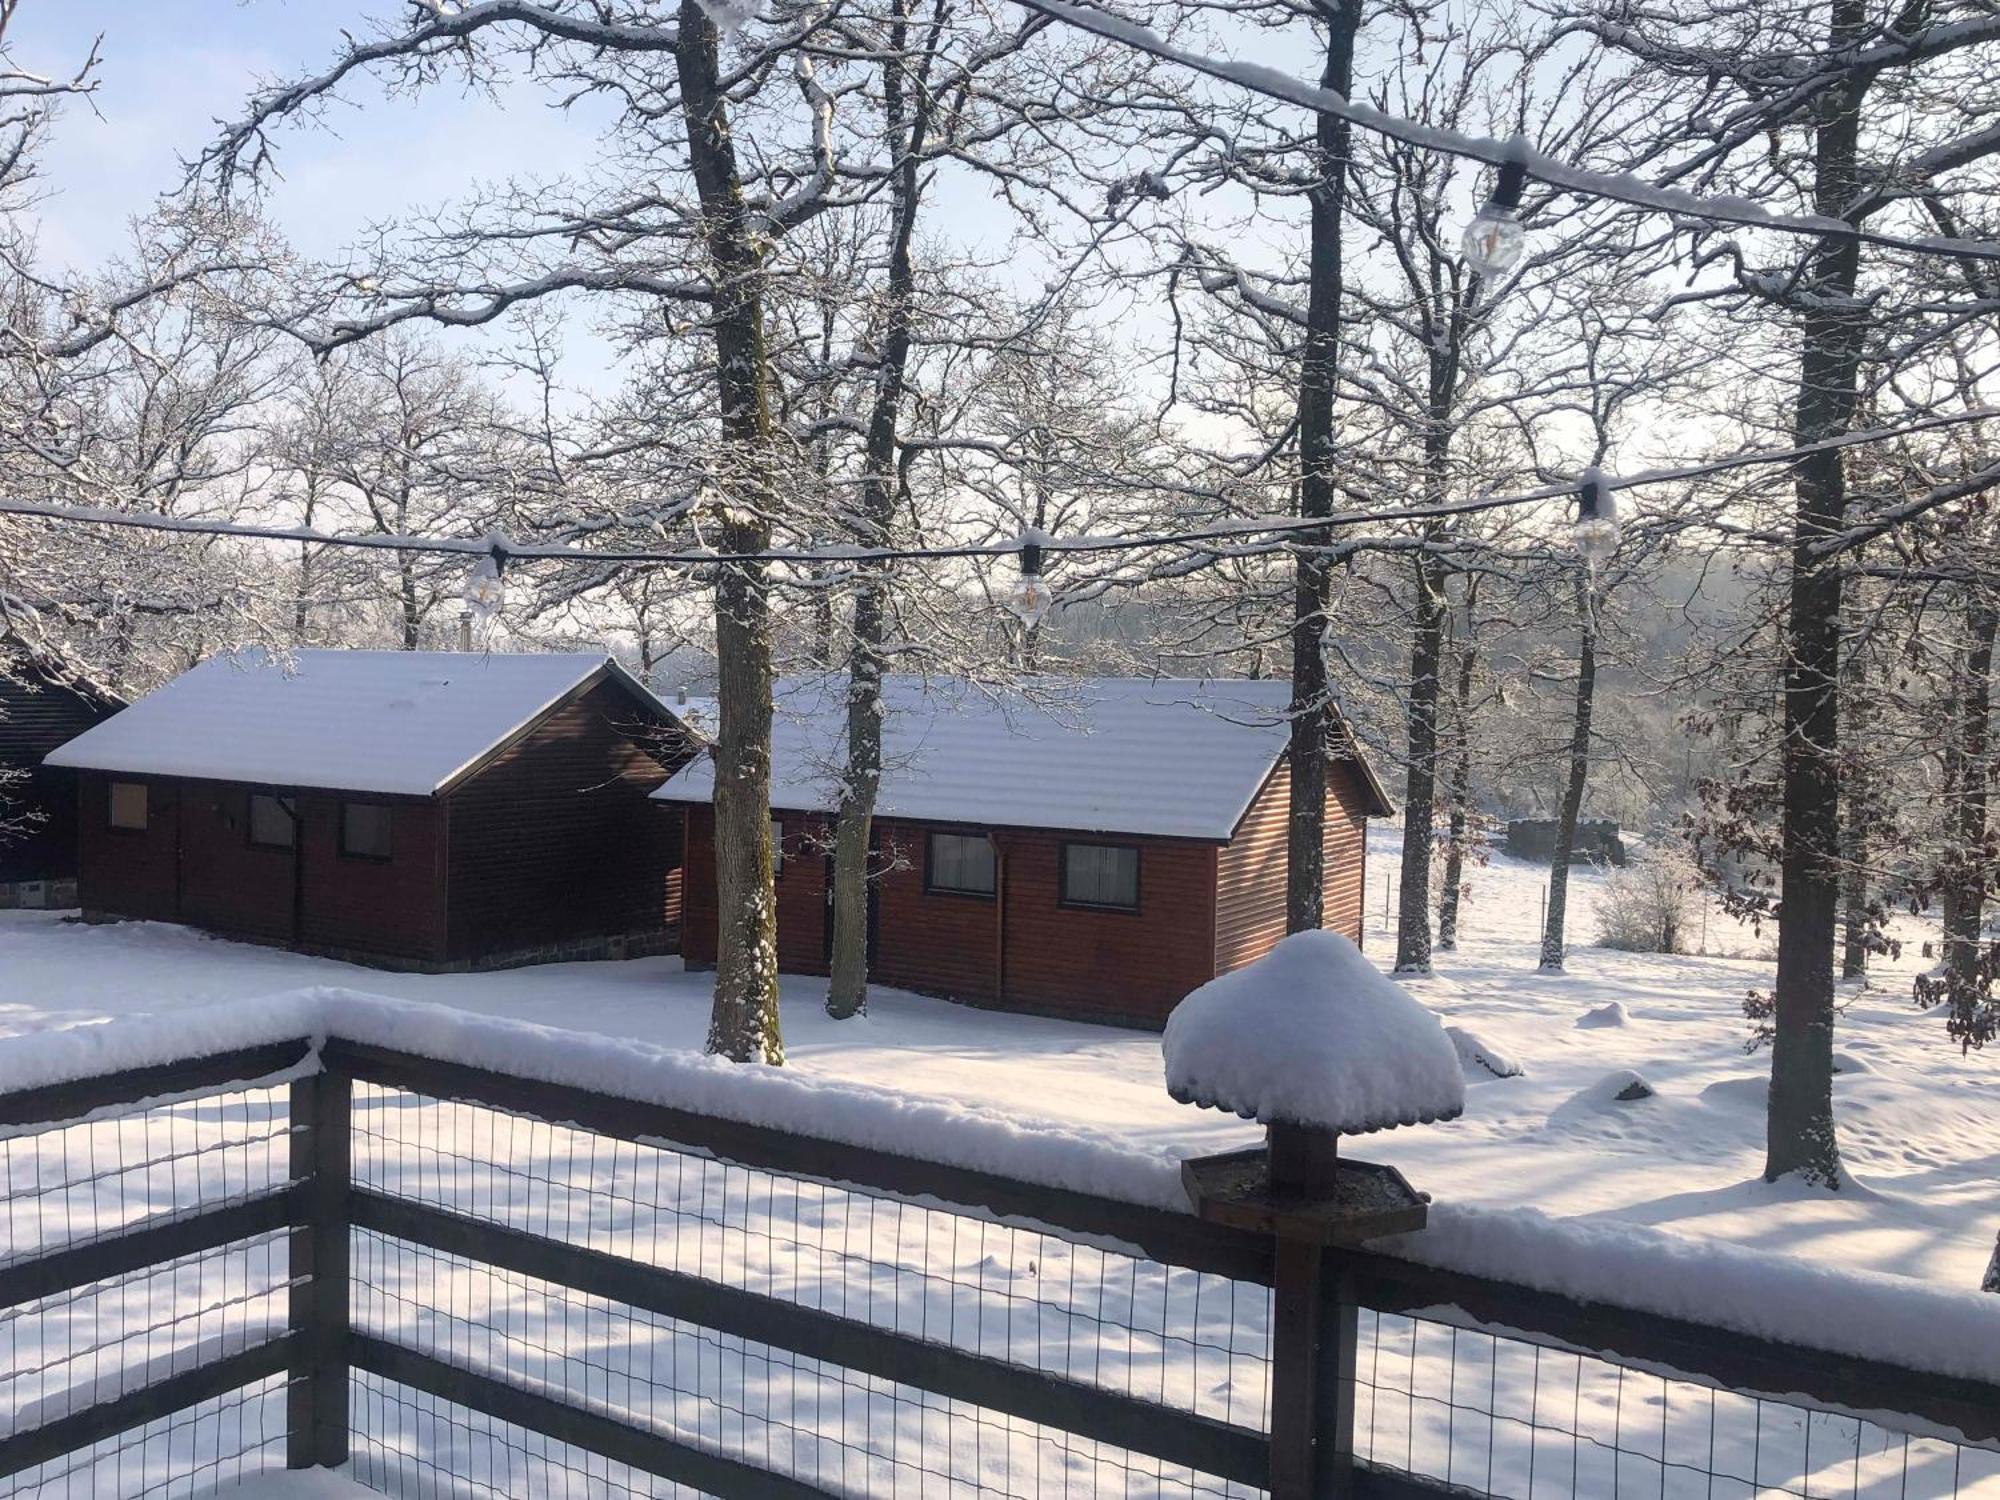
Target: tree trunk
{"x": 1799, "y": 1129}
{"x": 406, "y": 565}
{"x": 1573, "y": 788}
{"x": 847, "y": 993}
{"x": 1854, "y": 813}
{"x": 1413, "y": 917}
{"x": 1460, "y": 796}
{"x": 1311, "y": 706}
{"x": 743, "y": 1023}
{"x": 1965, "y": 914}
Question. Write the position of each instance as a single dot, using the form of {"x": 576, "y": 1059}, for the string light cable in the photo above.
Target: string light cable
{"x": 1508, "y": 156}
{"x": 1595, "y": 526}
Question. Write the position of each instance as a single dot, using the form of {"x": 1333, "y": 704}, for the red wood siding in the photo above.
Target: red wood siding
{"x": 1250, "y": 874}
{"x": 1096, "y": 965}
{"x": 392, "y": 907}
{"x": 933, "y": 942}
{"x": 554, "y": 840}
{"x": 1250, "y": 877}
{"x": 1108, "y": 965}
{"x": 801, "y": 889}
{"x": 128, "y": 874}
{"x": 1345, "y": 842}
{"x": 698, "y": 912}
{"x": 227, "y": 885}
{"x": 1203, "y": 910}
{"x": 195, "y": 864}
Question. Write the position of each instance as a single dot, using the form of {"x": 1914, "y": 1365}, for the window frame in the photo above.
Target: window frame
{"x": 145, "y": 823}
{"x": 250, "y": 821}
{"x": 388, "y": 811}
{"x": 932, "y": 888}
{"x": 777, "y": 848}
{"x": 1072, "y": 903}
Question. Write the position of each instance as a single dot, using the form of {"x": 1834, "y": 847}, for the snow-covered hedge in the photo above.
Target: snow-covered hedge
{"x": 1754, "y": 1292}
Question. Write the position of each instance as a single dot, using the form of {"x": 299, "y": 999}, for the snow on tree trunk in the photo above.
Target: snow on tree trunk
{"x": 743, "y": 1023}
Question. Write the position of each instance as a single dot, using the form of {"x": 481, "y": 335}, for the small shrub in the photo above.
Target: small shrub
{"x": 1648, "y": 906}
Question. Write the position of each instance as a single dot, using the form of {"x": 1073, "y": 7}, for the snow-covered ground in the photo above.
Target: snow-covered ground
{"x": 1920, "y": 1124}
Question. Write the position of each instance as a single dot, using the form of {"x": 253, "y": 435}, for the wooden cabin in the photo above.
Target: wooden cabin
{"x": 1094, "y": 850}
{"x": 41, "y": 708}
{"x": 406, "y": 809}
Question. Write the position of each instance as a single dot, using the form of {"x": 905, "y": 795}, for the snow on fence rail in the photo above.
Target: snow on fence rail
{"x": 471, "y": 1256}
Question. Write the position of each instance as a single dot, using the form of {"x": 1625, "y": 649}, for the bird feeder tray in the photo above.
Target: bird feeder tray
{"x": 1363, "y": 1201}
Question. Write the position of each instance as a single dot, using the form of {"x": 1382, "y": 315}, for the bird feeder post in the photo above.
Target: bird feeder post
{"x": 1312, "y": 1332}
{"x": 1314, "y": 1325}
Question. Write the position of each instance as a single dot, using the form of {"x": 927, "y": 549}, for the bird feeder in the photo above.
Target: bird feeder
{"x": 1313, "y": 1043}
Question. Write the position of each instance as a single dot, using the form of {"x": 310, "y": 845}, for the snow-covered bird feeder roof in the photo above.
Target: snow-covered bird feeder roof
{"x": 1312, "y": 1034}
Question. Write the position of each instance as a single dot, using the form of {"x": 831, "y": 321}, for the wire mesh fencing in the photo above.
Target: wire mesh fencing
{"x": 74, "y": 1344}
{"x": 1486, "y": 1414}
{"x": 1026, "y": 1297}
{"x": 468, "y": 1284}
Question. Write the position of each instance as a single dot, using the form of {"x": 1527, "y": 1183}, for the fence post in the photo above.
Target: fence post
{"x": 1314, "y": 1327}
{"x": 322, "y": 1154}
{"x": 1296, "y": 1289}
{"x": 1339, "y": 1343}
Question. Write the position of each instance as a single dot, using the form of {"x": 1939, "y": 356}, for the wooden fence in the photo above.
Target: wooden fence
{"x": 480, "y": 1283}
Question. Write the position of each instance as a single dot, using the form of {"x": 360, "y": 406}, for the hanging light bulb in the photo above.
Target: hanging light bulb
{"x": 1594, "y": 533}
{"x": 485, "y": 590}
{"x": 1030, "y": 599}
{"x": 1495, "y": 238}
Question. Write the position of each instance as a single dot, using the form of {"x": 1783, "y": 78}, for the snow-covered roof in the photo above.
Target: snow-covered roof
{"x": 1314, "y": 1034}
{"x": 391, "y": 722}
{"x": 1169, "y": 758}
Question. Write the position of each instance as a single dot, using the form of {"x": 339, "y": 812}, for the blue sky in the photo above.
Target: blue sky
{"x": 172, "y": 68}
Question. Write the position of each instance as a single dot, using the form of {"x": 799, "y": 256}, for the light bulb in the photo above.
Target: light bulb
{"x": 1594, "y": 533}
{"x": 1030, "y": 599}
{"x": 1494, "y": 240}
{"x": 1595, "y": 539}
{"x": 484, "y": 590}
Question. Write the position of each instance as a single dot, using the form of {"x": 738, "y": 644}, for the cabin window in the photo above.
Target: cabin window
{"x": 777, "y": 848}
{"x": 128, "y": 806}
{"x": 1104, "y": 875}
{"x": 959, "y": 864}
{"x": 365, "y": 830}
{"x": 273, "y": 821}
